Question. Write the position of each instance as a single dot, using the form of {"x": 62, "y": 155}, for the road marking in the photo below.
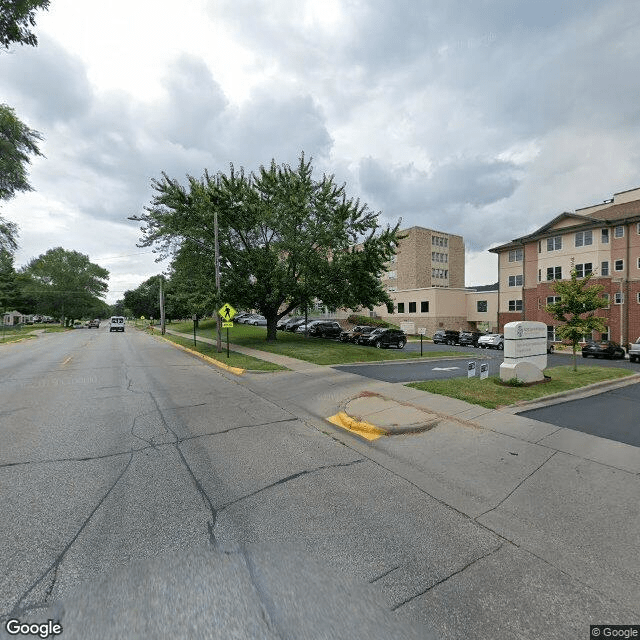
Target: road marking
{"x": 444, "y": 368}
{"x": 68, "y": 360}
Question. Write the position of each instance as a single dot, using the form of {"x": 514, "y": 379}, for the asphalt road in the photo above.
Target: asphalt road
{"x": 127, "y": 467}
{"x": 614, "y": 415}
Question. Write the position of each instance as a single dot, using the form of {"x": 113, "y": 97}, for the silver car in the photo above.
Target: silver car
{"x": 491, "y": 341}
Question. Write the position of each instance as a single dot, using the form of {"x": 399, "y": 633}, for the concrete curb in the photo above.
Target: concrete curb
{"x": 235, "y": 370}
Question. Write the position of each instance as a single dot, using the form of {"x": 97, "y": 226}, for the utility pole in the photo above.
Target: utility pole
{"x": 217, "y": 259}
{"x": 161, "y": 307}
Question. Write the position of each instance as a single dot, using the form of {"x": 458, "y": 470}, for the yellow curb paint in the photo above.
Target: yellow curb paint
{"x": 363, "y": 429}
{"x": 235, "y": 370}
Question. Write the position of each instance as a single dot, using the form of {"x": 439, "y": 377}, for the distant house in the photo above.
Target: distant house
{"x": 12, "y": 318}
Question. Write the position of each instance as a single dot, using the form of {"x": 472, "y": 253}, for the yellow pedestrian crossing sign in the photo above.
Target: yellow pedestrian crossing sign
{"x": 227, "y": 312}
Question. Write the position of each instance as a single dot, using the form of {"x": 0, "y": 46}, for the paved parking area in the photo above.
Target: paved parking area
{"x": 614, "y": 415}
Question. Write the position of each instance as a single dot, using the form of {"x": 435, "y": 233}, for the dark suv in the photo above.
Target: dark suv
{"x": 380, "y": 338}
{"x": 446, "y": 336}
{"x": 326, "y": 329}
{"x": 469, "y": 338}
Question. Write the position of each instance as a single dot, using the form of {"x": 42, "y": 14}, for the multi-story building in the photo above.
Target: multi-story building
{"x": 602, "y": 240}
{"x": 426, "y": 258}
{"x": 426, "y": 283}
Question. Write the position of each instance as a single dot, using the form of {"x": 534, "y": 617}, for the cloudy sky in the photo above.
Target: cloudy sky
{"x": 482, "y": 118}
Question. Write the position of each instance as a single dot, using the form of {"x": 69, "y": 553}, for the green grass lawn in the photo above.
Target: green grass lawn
{"x": 316, "y": 350}
{"x": 491, "y": 394}
{"x": 234, "y": 360}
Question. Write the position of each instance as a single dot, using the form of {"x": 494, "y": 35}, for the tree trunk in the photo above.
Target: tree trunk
{"x": 271, "y": 329}
{"x": 575, "y": 362}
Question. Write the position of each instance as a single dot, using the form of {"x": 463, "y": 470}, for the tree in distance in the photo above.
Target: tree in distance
{"x": 576, "y": 309}
{"x": 66, "y": 284}
{"x": 285, "y": 239}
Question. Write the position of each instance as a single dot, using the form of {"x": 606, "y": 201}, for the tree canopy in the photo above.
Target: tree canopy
{"x": 576, "y": 309}
{"x": 66, "y": 284}
{"x": 16, "y": 19}
{"x": 285, "y": 239}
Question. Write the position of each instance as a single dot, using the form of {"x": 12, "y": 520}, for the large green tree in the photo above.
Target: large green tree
{"x": 576, "y": 309}
{"x": 66, "y": 284}
{"x": 17, "y": 17}
{"x": 284, "y": 237}
{"x": 10, "y": 297}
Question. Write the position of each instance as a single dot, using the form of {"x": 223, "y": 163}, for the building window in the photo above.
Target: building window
{"x": 515, "y": 305}
{"x": 638, "y": 263}
{"x": 619, "y": 231}
{"x": 551, "y": 333}
{"x": 554, "y": 244}
{"x": 583, "y": 270}
{"x": 400, "y": 307}
{"x": 605, "y": 297}
{"x": 584, "y": 238}
{"x": 424, "y": 306}
{"x": 554, "y": 273}
{"x": 618, "y": 297}
{"x": 553, "y": 299}
{"x": 481, "y": 306}
{"x": 638, "y": 228}
{"x": 619, "y": 265}
{"x": 539, "y": 275}
{"x": 638, "y": 297}
{"x": 516, "y": 255}
{"x": 412, "y": 307}
{"x": 515, "y": 281}
{"x": 604, "y": 268}
{"x": 605, "y": 236}
{"x": 604, "y": 336}
{"x": 539, "y": 246}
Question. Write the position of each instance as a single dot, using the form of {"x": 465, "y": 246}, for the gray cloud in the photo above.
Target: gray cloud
{"x": 49, "y": 80}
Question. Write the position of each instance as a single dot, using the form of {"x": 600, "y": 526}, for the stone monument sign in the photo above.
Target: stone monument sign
{"x": 525, "y": 351}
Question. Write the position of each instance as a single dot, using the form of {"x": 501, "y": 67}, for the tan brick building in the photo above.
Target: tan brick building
{"x": 426, "y": 258}
{"x": 602, "y": 239}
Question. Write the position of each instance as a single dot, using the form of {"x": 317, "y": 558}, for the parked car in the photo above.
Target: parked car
{"x": 246, "y": 319}
{"x": 280, "y": 325}
{"x": 446, "y": 336}
{"x": 380, "y": 338}
{"x": 326, "y": 329}
{"x": 355, "y": 333}
{"x": 293, "y": 323}
{"x": 469, "y": 338}
{"x": 634, "y": 351}
{"x": 491, "y": 341}
{"x": 93, "y": 324}
{"x": 604, "y": 349}
{"x": 239, "y": 316}
{"x": 302, "y": 327}
{"x": 257, "y": 320}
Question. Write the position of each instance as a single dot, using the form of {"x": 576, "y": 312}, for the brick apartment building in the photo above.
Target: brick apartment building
{"x": 602, "y": 239}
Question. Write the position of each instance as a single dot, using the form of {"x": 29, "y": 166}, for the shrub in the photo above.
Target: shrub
{"x": 369, "y": 322}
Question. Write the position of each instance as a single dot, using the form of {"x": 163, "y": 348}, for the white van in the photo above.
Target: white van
{"x": 116, "y": 323}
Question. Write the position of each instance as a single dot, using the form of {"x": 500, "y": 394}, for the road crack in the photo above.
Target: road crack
{"x": 455, "y": 573}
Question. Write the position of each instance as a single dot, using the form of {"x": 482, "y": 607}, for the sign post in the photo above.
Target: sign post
{"x": 227, "y": 313}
